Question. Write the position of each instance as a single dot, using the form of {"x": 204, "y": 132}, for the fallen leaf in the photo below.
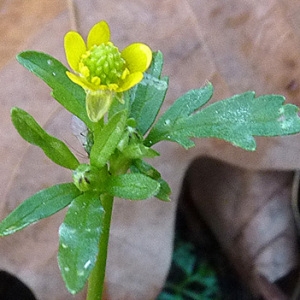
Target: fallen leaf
{"x": 249, "y": 213}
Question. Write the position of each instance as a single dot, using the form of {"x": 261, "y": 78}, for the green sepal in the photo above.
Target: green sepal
{"x": 106, "y": 141}
{"x": 53, "y": 73}
{"x": 132, "y": 186}
{"x": 79, "y": 237}
{"x": 140, "y": 166}
{"x": 98, "y": 103}
{"x": 167, "y": 124}
{"x": 39, "y": 206}
{"x": 34, "y": 134}
{"x": 148, "y": 96}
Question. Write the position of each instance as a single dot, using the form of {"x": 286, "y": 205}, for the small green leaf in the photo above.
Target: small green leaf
{"x": 132, "y": 186}
{"x": 34, "y": 134}
{"x": 237, "y": 120}
{"x": 106, "y": 141}
{"x": 191, "y": 276}
{"x": 149, "y": 94}
{"x": 164, "y": 191}
{"x": 39, "y": 206}
{"x": 140, "y": 166}
{"x": 79, "y": 237}
{"x": 240, "y": 118}
{"x": 53, "y": 73}
{"x": 180, "y": 110}
{"x": 138, "y": 150}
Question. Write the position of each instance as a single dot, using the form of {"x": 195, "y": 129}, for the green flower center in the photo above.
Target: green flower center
{"x": 103, "y": 65}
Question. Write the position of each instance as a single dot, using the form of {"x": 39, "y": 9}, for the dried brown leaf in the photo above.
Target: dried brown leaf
{"x": 249, "y": 213}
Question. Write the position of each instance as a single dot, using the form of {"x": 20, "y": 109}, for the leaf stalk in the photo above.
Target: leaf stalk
{"x": 97, "y": 277}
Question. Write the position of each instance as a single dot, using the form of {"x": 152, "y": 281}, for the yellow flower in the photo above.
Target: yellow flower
{"x": 101, "y": 69}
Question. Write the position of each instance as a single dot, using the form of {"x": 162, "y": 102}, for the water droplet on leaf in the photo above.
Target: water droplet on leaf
{"x": 87, "y": 264}
{"x": 153, "y": 81}
{"x": 10, "y": 230}
{"x": 73, "y": 292}
{"x": 167, "y": 122}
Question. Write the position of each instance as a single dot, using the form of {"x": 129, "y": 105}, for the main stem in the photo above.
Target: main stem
{"x": 96, "y": 279}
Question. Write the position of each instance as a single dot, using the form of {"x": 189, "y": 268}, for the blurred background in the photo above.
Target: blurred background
{"x": 237, "y": 45}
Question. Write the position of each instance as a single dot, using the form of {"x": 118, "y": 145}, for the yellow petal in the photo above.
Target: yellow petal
{"x": 137, "y": 56}
{"x": 74, "y": 48}
{"x": 80, "y": 81}
{"x": 130, "y": 81}
{"x": 99, "y": 34}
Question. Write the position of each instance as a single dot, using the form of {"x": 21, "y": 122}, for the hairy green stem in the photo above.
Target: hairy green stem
{"x": 96, "y": 279}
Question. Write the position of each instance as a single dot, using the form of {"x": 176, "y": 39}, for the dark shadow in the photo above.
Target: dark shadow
{"x": 12, "y": 288}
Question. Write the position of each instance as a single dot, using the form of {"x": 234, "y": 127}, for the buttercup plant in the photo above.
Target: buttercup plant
{"x": 102, "y": 70}
{"x": 116, "y": 95}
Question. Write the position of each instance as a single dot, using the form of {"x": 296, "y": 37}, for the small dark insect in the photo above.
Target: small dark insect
{"x": 82, "y": 133}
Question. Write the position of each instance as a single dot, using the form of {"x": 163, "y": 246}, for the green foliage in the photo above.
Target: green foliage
{"x": 79, "y": 236}
{"x": 191, "y": 276}
{"x": 53, "y": 73}
{"x": 132, "y": 186}
{"x": 167, "y": 125}
{"x": 89, "y": 178}
{"x": 39, "y": 206}
{"x": 148, "y": 96}
{"x": 236, "y": 119}
{"x": 34, "y": 134}
{"x": 106, "y": 141}
{"x": 140, "y": 166}
{"x": 118, "y": 145}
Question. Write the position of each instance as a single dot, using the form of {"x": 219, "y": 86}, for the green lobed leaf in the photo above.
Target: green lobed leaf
{"x": 237, "y": 120}
{"x": 149, "y": 94}
{"x": 140, "y": 166}
{"x": 106, "y": 141}
{"x": 34, "y": 134}
{"x": 79, "y": 237}
{"x": 132, "y": 186}
{"x": 53, "y": 73}
{"x": 180, "y": 110}
{"x": 240, "y": 118}
{"x": 39, "y": 206}
{"x": 191, "y": 275}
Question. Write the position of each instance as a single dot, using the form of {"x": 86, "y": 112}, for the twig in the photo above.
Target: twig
{"x": 73, "y": 15}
